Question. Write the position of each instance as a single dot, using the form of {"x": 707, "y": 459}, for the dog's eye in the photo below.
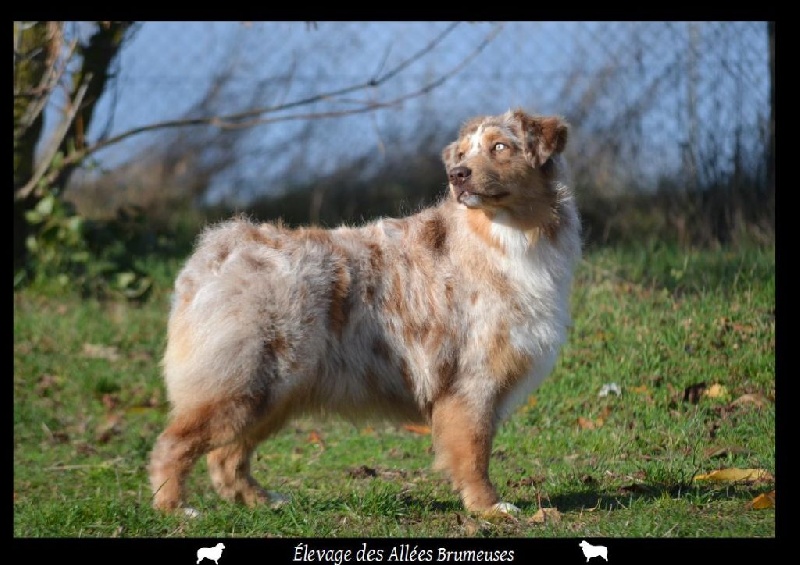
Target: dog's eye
{"x": 460, "y": 155}
{"x": 499, "y": 146}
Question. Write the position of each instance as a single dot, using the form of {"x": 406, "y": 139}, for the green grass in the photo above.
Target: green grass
{"x": 89, "y": 404}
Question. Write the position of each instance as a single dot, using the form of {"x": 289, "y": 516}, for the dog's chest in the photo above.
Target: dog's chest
{"x": 539, "y": 280}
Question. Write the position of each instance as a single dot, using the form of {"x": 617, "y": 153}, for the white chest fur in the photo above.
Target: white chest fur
{"x": 541, "y": 272}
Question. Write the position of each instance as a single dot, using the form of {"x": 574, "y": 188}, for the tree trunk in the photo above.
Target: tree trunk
{"x": 35, "y": 50}
{"x": 98, "y": 55}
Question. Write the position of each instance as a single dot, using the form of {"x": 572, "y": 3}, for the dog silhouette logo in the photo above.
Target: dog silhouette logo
{"x": 210, "y": 553}
{"x": 590, "y": 550}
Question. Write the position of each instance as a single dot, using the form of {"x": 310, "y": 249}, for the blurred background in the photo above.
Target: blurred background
{"x": 130, "y": 136}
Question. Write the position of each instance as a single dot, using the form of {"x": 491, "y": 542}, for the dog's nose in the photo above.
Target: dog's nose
{"x": 459, "y": 175}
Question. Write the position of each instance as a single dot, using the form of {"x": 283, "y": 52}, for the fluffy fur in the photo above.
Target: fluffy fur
{"x": 450, "y": 316}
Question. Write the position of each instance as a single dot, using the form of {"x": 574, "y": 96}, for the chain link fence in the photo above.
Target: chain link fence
{"x": 651, "y": 104}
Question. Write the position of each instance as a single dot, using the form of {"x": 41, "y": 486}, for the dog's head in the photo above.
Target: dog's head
{"x": 506, "y": 162}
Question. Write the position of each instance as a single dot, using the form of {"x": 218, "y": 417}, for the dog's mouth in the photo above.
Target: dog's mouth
{"x": 474, "y": 199}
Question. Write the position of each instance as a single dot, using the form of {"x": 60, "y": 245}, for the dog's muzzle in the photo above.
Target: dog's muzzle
{"x": 460, "y": 179}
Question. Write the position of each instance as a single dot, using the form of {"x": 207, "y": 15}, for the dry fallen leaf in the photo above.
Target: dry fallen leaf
{"x": 762, "y": 501}
{"x": 715, "y": 451}
{"x": 526, "y": 481}
{"x": 417, "y": 429}
{"x": 95, "y": 351}
{"x": 638, "y": 389}
{"x": 587, "y": 424}
{"x": 748, "y": 475}
{"x": 110, "y": 401}
{"x": 715, "y": 391}
{"x": 756, "y": 399}
{"x": 315, "y": 437}
{"x": 363, "y": 472}
{"x": 544, "y": 515}
{"x": 111, "y": 426}
{"x": 47, "y": 382}
{"x": 532, "y": 401}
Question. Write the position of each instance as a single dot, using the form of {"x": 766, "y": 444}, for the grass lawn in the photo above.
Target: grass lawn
{"x": 688, "y": 338}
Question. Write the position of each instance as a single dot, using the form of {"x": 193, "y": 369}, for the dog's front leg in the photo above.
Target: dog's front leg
{"x": 462, "y": 440}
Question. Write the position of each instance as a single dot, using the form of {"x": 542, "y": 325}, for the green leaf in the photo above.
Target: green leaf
{"x": 46, "y": 204}
{"x": 81, "y": 257}
{"x": 124, "y": 280}
{"x": 75, "y": 224}
{"x": 33, "y": 217}
{"x": 20, "y": 277}
{"x": 57, "y": 162}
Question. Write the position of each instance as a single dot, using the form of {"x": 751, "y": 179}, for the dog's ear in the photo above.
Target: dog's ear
{"x": 449, "y": 155}
{"x": 542, "y": 136}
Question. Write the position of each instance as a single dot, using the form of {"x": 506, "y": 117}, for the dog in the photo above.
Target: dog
{"x": 450, "y": 316}
{"x": 211, "y": 553}
{"x": 590, "y": 550}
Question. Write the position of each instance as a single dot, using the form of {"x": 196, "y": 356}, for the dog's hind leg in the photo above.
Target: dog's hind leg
{"x": 178, "y": 447}
{"x": 229, "y": 468}
{"x": 229, "y": 465}
{"x": 193, "y": 431}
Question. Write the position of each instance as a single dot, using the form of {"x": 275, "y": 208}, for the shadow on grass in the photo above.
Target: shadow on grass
{"x": 624, "y": 497}
{"x": 687, "y": 272}
{"x": 439, "y": 506}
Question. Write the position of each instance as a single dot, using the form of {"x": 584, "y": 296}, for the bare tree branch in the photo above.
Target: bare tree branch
{"x": 53, "y": 73}
{"x": 419, "y": 54}
{"x": 372, "y": 83}
{"x": 58, "y": 137}
{"x": 254, "y": 117}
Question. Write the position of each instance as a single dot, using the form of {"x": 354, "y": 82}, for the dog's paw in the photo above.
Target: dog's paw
{"x": 190, "y": 512}
{"x": 276, "y": 499}
{"x": 504, "y": 508}
{"x": 500, "y": 512}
